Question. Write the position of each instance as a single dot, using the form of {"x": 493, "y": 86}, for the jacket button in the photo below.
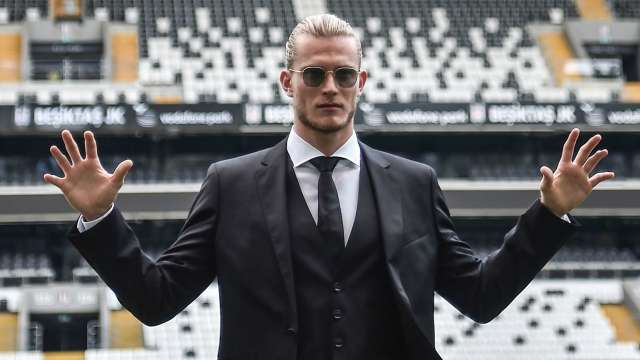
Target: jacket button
{"x": 291, "y": 331}
{"x": 338, "y": 342}
{"x": 337, "y": 287}
{"x": 338, "y": 314}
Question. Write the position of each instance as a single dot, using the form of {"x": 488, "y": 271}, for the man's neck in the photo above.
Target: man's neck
{"x": 326, "y": 143}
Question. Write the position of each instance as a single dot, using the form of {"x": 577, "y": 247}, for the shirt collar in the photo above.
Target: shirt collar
{"x": 301, "y": 151}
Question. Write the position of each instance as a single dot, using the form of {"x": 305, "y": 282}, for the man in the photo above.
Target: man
{"x": 323, "y": 247}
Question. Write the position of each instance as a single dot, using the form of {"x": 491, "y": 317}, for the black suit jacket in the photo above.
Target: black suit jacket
{"x": 237, "y": 231}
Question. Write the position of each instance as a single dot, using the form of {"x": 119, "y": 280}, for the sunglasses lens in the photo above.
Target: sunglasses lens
{"x": 346, "y": 77}
{"x": 313, "y": 76}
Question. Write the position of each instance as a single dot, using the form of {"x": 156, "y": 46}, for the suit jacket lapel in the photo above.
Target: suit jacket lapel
{"x": 273, "y": 199}
{"x": 388, "y": 198}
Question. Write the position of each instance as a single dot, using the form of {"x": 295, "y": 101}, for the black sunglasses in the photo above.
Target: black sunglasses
{"x": 313, "y": 76}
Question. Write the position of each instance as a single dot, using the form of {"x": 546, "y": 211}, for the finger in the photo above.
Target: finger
{"x": 600, "y": 177}
{"x": 586, "y": 149}
{"x": 569, "y": 146}
{"x": 72, "y": 147}
{"x": 121, "y": 171}
{"x": 54, "y": 180}
{"x": 62, "y": 160}
{"x": 90, "y": 146}
{"x": 547, "y": 178}
{"x": 594, "y": 159}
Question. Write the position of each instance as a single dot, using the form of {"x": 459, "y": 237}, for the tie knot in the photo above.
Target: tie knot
{"x": 325, "y": 163}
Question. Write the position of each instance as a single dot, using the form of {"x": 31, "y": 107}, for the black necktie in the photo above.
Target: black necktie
{"x": 329, "y": 215}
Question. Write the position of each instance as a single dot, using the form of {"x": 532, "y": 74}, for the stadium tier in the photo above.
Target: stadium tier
{"x": 483, "y": 91}
{"x": 549, "y": 320}
{"x": 609, "y": 249}
{"x": 416, "y": 51}
{"x": 626, "y": 8}
{"x": 168, "y": 160}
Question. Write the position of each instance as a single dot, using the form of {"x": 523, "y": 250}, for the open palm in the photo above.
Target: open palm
{"x": 86, "y": 185}
{"x": 566, "y": 188}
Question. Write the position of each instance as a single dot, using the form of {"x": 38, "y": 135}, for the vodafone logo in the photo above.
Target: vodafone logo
{"x": 144, "y": 116}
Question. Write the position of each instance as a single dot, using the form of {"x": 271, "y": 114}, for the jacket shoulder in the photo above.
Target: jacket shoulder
{"x": 240, "y": 163}
{"x": 400, "y": 163}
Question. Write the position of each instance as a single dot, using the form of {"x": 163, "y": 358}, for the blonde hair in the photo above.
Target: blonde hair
{"x": 323, "y": 25}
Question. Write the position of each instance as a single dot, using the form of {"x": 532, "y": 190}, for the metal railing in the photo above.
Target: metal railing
{"x": 35, "y": 336}
{"x": 94, "y": 331}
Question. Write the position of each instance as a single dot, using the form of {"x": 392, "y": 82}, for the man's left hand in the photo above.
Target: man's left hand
{"x": 566, "y": 188}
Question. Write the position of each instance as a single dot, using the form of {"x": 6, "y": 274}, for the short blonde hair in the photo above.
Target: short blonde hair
{"x": 323, "y": 25}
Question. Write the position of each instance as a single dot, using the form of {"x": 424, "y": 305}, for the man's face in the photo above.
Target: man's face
{"x": 329, "y": 107}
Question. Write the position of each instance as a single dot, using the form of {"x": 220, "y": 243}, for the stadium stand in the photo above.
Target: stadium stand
{"x": 411, "y": 48}
{"x": 625, "y": 8}
{"x": 438, "y": 52}
{"x": 433, "y": 51}
{"x": 451, "y": 51}
{"x": 476, "y": 54}
{"x": 17, "y": 269}
{"x": 19, "y": 10}
{"x": 469, "y": 54}
{"x": 605, "y": 250}
{"x": 489, "y": 164}
{"x": 550, "y": 320}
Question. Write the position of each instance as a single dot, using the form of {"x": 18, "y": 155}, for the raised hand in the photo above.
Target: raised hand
{"x": 86, "y": 185}
{"x": 566, "y": 188}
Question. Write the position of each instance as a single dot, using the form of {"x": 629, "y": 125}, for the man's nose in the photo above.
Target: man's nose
{"x": 329, "y": 85}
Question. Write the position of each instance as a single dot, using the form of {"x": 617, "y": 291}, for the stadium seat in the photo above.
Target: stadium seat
{"x": 626, "y": 8}
{"x": 549, "y": 320}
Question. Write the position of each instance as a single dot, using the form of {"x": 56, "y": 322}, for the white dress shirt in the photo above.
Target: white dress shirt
{"x": 346, "y": 176}
{"x": 83, "y": 225}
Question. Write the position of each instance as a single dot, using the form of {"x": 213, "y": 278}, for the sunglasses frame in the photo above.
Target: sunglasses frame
{"x": 324, "y": 76}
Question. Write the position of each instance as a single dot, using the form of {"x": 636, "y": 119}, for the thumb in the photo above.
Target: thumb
{"x": 547, "y": 177}
{"x": 54, "y": 180}
{"x": 121, "y": 171}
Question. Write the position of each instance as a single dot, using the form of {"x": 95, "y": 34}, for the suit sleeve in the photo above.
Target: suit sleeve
{"x": 482, "y": 288}
{"x": 155, "y": 291}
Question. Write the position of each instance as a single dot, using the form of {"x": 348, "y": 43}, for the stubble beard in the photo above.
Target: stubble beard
{"x": 326, "y": 128}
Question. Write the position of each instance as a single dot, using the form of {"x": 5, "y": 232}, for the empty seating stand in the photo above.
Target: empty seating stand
{"x": 192, "y": 334}
{"x": 434, "y": 50}
{"x": 431, "y": 50}
{"x": 17, "y": 269}
{"x": 17, "y": 9}
{"x": 625, "y": 9}
{"x": 448, "y": 51}
{"x": 227, "y": 52}
{"x": 191, "y": 167}
{"x": 115, "y": 9}
{"x": 549, "y": 320}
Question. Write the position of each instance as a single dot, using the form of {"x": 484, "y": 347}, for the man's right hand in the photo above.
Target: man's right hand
{"x": 86, "y": 185}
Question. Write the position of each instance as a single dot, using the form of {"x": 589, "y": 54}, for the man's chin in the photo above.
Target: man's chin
{"x": 328, "y": 127}
{"x": 325, "y": 125}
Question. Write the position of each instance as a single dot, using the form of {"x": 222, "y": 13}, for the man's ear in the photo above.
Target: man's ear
{"x": 285, "y": 82}
{"x": 362, "y": 79}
